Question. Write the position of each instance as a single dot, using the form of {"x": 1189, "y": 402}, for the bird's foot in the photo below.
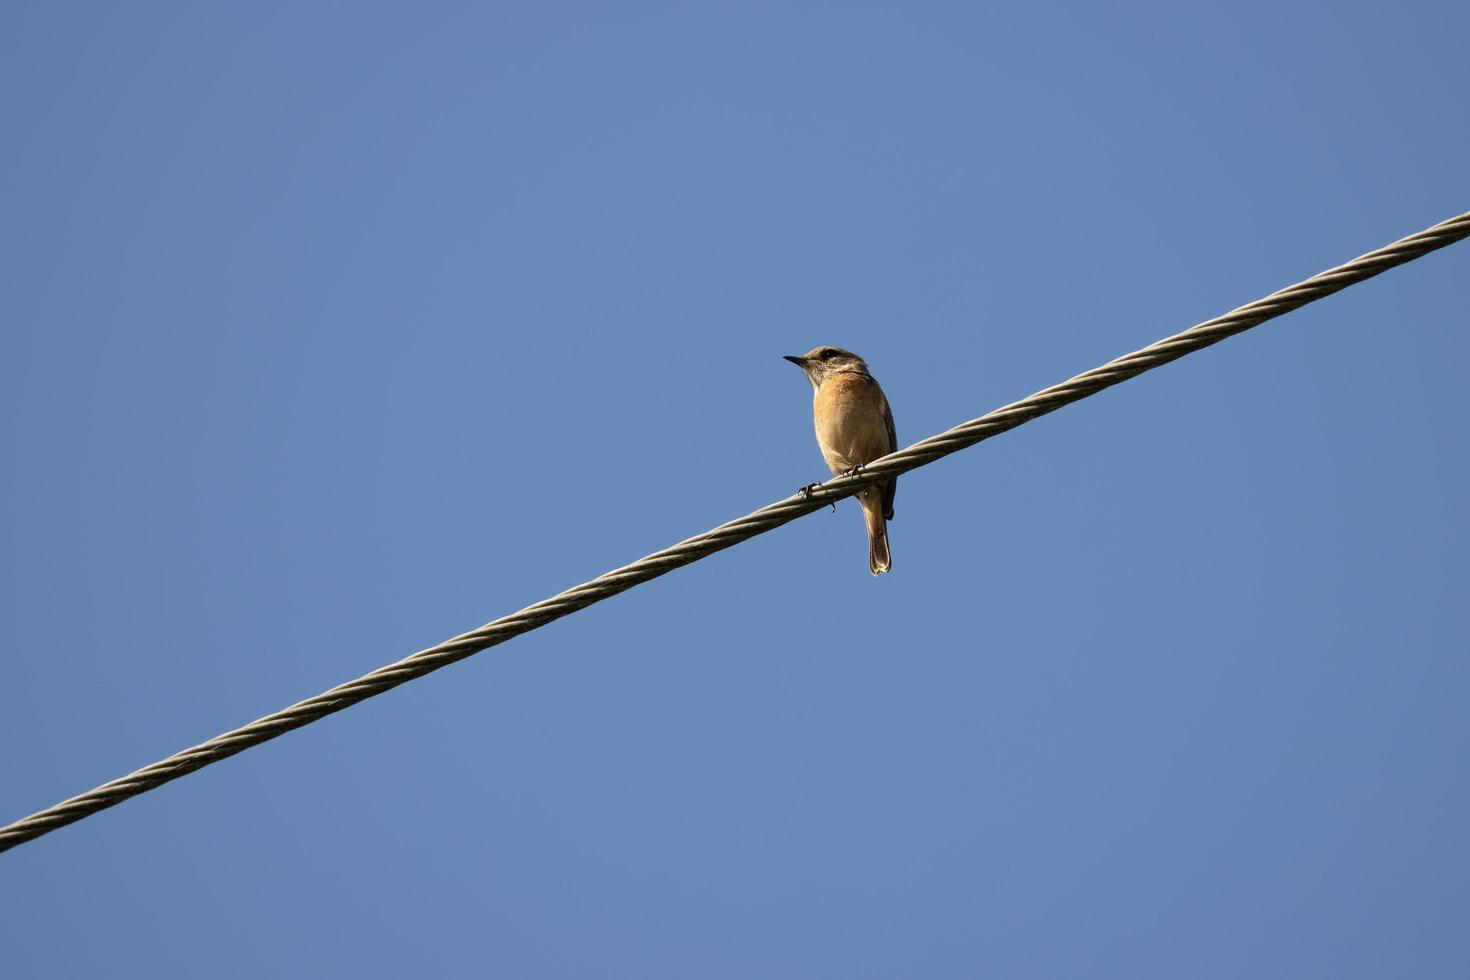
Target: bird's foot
{"x": 807, "y": 491}
{"x": 854, "y": 471}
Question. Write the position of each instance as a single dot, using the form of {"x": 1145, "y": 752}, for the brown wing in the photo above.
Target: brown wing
{"x": 891, "y": 487}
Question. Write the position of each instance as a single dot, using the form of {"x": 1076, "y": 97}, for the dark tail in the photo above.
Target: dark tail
{"x": 879, "y": 560}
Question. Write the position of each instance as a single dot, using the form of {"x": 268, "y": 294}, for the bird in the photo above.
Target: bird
{"x": 854, "y": 427}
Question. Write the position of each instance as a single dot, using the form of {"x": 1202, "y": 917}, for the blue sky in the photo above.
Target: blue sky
{"x": 333, "y": 330}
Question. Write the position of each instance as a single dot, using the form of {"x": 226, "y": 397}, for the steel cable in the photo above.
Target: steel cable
{"x": 733, "y": 532}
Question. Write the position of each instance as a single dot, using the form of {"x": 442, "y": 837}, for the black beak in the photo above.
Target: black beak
{"x": 798, "y": 361}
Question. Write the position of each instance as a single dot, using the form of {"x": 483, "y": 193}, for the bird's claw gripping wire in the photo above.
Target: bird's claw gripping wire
{"x": 806, "y": 494}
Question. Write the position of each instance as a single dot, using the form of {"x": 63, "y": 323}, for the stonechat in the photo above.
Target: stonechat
{"x": 854, "y": 427}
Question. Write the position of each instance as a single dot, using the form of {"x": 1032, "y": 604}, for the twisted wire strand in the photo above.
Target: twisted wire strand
{"x": 733, "y": 532}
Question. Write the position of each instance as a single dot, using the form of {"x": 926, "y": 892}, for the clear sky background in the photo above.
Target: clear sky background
{"x": 334, "y": 329}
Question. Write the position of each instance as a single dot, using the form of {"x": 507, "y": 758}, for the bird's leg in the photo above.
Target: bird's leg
{"x": 853, "y": 471}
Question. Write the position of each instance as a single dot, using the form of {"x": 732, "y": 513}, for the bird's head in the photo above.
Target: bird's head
{"x": 820, "y": 363}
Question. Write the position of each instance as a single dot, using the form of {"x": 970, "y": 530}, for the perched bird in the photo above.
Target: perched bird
{"x": 854, "y": 427}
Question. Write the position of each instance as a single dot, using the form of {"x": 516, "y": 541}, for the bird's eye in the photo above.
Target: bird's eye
{"x": 827, "y": 354}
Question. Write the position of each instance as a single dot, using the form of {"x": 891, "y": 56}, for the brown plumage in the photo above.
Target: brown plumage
{"x": 854, "y": 427}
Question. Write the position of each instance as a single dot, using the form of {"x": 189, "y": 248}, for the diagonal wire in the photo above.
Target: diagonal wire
{"x": 732, "y": 533}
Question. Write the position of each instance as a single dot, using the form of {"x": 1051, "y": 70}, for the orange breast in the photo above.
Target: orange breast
{"x": 849, "y": 414}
